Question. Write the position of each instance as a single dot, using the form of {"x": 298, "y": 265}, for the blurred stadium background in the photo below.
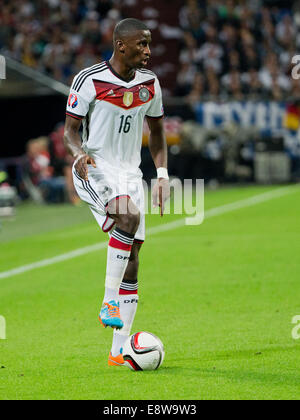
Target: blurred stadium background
{"x": 233, "y": 118}
{"x": 232, "y": 107}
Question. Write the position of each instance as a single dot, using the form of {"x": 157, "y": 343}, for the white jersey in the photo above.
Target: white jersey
{"x": 113, "y": 111}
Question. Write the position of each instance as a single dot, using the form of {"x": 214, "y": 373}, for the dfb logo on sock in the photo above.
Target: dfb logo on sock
{"x": 130, "y": 300}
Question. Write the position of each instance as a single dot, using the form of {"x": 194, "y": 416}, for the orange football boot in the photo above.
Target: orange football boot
{"x": 115, "y": 361}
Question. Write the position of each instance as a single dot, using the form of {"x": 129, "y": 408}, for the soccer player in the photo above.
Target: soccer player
{"x": 111, "y": 100}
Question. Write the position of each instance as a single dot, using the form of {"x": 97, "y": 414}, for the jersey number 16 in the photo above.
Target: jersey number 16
{"x": 125, "y": 124}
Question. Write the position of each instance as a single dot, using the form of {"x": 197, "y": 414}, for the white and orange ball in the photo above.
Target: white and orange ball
{"x": 143, "y": 351}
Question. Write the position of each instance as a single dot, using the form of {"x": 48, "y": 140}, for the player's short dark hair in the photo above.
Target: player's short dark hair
{"x": 128, "y": 26}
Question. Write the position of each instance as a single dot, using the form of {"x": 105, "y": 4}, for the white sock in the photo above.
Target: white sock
{"x": 118, "y": 343}
{"x": 110, "y": 294}
{"x": 118, "y": 253}
{"x": 128, "y": 307}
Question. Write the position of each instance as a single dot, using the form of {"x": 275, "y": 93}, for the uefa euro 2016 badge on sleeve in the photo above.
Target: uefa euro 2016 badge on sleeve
{"x": 73, "y": 100}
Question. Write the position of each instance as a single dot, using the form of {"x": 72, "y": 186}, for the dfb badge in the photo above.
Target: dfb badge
{"x": 144, "y": 94}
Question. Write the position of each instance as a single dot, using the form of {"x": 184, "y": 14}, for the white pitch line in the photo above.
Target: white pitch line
{"x": 226, "y": 208}
{"x": 251, "y": 201}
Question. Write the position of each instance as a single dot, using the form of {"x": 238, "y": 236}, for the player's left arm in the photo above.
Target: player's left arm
{"x": 159, "y": 152}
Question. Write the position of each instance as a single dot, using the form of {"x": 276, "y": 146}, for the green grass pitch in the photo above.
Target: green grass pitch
{"x": 221, "y": 296}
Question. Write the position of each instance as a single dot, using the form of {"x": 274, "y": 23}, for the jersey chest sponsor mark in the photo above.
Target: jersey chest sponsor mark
{"x": 125, "y": 98}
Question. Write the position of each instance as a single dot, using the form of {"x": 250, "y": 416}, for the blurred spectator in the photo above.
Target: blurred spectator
{"x": 189, "y": 52}
{"x": 285, "y": 30}
{"x": 39, "y": 159}
{"x": 210, "y": 54}
{"x": 271, "y": 74}
{"x": 185, "y": 79}
{"x": 8, "y": 196}
{"x": 50, "y": 169}
{"x": 62, "y": 162}
{"x": 233, "y": 84}
{"x": 253, "y": 86}
{"x": 197, "y": 91}
{"x": 40, "y": 171}
{"x": 213, "y": 85}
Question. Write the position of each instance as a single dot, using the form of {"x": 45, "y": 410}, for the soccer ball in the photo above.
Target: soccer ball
{"x": 143, "y": 351}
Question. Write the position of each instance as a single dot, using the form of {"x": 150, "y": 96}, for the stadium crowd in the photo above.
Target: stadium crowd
{"x": 228, "y": 49}
{"x": 235, "y": 48}
{"x": 58, "y": 37}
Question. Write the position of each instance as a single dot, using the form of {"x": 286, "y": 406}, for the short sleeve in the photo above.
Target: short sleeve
{"x": 82, "y": 93}
{"x": 156, "y": 109}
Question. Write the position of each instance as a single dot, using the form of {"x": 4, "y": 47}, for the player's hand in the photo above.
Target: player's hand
{"x": 81, "y": 165}
{"x": 160, "y": 194}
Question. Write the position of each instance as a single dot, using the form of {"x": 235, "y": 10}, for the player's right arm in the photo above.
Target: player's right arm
{"x": 72, "y": 142}
{"x": 82, "y": 93}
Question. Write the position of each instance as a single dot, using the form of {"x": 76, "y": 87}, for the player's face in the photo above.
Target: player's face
{"x": 137, "y": 49}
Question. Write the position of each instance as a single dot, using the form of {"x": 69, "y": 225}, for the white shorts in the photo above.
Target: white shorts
{"x": 104, "y": 185}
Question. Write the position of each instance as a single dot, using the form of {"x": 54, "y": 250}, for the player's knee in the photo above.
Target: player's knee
{"x": 130, "y": 222}
{"x": 134, "y": 220}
